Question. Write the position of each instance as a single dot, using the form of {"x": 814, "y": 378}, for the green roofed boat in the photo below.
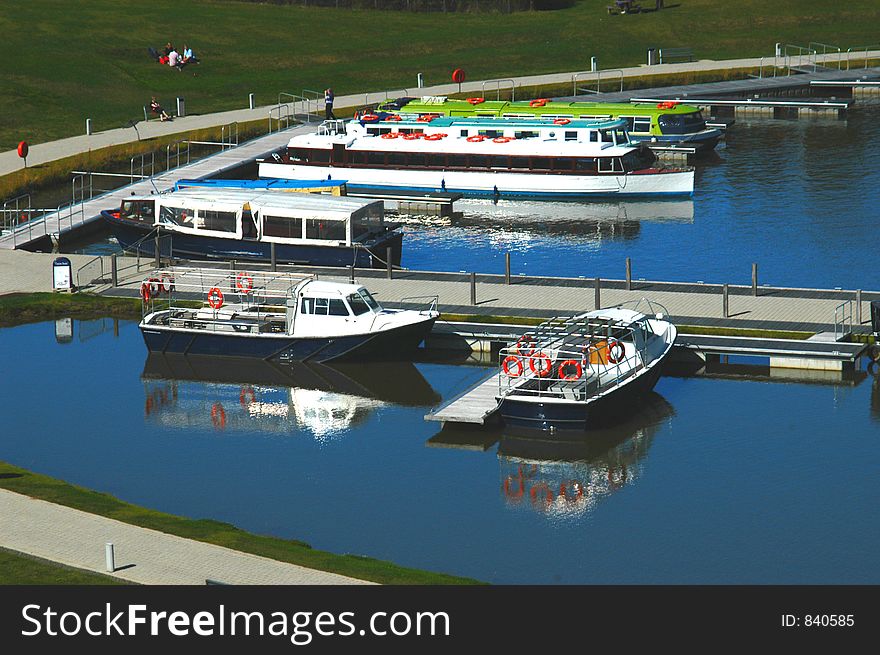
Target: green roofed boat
{"x": 665, "y": 123}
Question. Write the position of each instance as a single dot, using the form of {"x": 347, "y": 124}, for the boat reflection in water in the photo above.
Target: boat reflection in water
{"x": 226, "y": 394}
{"x": 566, "y": 478}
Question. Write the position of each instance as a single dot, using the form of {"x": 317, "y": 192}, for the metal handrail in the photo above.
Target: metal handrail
{"x": 497, "y": 84}
{"x": 825, "y": 51}
{"x": 283, "y": 115}
{"x": 233, "y": 128}
{"x": 574, "y": 80}
{"x": 176, "y": 146}
{"x": 79, "y": 282}
{"x": 843, "y": 316}
{"x": 143, "y": 165}
{"x": 866, "y": 48}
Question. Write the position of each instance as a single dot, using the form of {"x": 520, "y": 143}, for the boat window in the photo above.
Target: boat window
{"x": 248, "y": 226}
{"x": 327, "y": 307}
{"x": 287, "y": 227}
{"x": 526, "y": 134}
{"x": 396, "y": 159}
{"x": 321, "y": 228}
{"x": 491, "y": 134}
{"x": 681, "y": 123}
{"x": 542, "y": 163}
{"x": 571, "y": 135}
{"x": 376, "y": 158}
{"x": 371, "y": 302}
{"x": 519, "y": 162}
{"x": 586, "y": 164}
{"x": 358, "y": 304}
{"x": 607, "y": 137}
{"x": 632, "y": 161}
{"x": 178, "y": 216}
{"x": 320, "y": 156}
{"x": 641, "y": 124}
{"x": 437, "y": 160}
{"x": 498, "y": 162}
{"x": 479, "y": 161}
{"x": 518, "y": 115}
{"x": 217, "y": 220}
{"x": 606, "y": 164}
{"x": 594, "y": 136}
{"x": 418, "y": 159}
{"x": 138, "y": 210}
{"x": 463, "y": 133}
{"x": 602, "y": 117}
{"x": 298, "y": 154}
{"x": 457, "y": 161}
{"x": 621, "y": 137}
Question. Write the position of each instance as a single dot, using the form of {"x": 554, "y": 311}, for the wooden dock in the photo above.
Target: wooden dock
{"x": 475, "y": 405}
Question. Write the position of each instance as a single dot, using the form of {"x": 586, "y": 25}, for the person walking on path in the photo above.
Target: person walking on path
{"x": 328, "y": 105}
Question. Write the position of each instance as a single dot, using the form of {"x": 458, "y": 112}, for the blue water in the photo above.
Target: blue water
{"x": 741, "y": 478}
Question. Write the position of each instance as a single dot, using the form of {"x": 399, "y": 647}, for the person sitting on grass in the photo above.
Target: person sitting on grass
{"x": 156, "y": 108}
{"x": 189, "y": 56}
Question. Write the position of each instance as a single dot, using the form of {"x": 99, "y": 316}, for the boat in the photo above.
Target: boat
{"x": 248, "y": 224}
{"x": 481, "y": 157}
{"x": 274, "y": 316}
{"x": 665, "y": 123}
{"x": 574, "y": 373}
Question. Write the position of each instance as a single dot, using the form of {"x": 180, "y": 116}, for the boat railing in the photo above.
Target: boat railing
{"x": 646, "y": 306}
{"x": 432, "y": 307}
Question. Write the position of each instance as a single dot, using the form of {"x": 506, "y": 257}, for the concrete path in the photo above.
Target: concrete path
{"x": 75, "y": 538}
{"x": 45, "y": 152}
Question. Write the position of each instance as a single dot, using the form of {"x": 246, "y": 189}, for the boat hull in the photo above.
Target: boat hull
{"x": 187, "y": 246}
{"x": 388, "y": 344}
{"x": 496, "y": 184}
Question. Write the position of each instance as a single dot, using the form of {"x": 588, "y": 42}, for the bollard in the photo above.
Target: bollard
{"x": 88, "y": 127}
{"x": 109, "y": 558}
{"x": 473, "y": 288}
{"x": 181, "y": 107}
{"x": 598, "y": 299}
{"x": 272, "y": 259}
{"x": 628, "y": 274}
{"x": 594, "y": 64}
{"x": 114, "y": 271}
{"x": 858, "y": 306}
{"x": 351, "y": 274}
{"x": 251, "y": 100}
{"x": 507, "y": 268}
{"x": 725, "y": 301}
{"x": 755, "y": 280}
{"x": 420, "y": 81}
{"x": 389, "y": 267}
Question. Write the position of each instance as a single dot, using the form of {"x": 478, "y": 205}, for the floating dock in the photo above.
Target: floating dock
{"x": 476, "y": 405}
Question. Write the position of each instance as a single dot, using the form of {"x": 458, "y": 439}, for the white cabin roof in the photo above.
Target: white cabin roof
{"x": 329, "y": 289}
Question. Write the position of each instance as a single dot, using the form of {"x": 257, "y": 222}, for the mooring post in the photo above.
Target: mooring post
{"x": 272, "y": 259}
{"x": 473, "y": 288}
{"x": 725, "y": 292}
{"x": 629, "y": 274}
{"x": 351, "y": 274}
{"x": 114, "y": 271}
{"x": 388, "y": 267}
{"x": 858, "y": 306}
{"x": 251, "y": 103}
{"x": 598, "y": 299}
{"x": 109, "y": 557}
{"x": 507, "y": 268}
{"x": 755, "y": 280}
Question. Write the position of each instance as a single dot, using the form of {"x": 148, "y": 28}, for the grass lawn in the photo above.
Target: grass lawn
{"x": 16, "y": 569}
{"x": 64, "y": 62}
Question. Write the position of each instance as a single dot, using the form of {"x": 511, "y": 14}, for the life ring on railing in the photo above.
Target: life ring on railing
{"x": 434, "y": 137}
{"x": 512, "y": 362}
{"x": 247, "y": 396}
{"x": 155, "y": 286}
{"x": 393, "y": 117}
{"x": 412, "y": 136}
{"x": 615, "y": 345}
{"x": 542, "y": 369}
{"x": 167, "y": 282}
{"x": 476, "y": 101}
{"x": 561, "y": 121}
{"x": 215, "y": 298}
{"x": 525, "y": 345}
{"x": 538, "y": 102}
{"x": 145, "y": 292}
{"x": 573, "y": 375}
{"x": 391, "y": 135}
{"x": 426, "y": 118}
{"x": 244, "y": 282}
{"x": 369, "y": 118}
{"x": 218, "y": 416}
{"x": 476, "y": 138}
{"x": 502, "y": 139}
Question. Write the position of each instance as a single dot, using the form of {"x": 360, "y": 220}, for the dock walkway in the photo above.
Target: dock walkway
{"x": 475, "y": 405}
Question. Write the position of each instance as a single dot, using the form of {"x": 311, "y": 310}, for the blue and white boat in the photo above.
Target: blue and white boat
{"x": 245, "y": 225}
{"x": 488, "y": 157}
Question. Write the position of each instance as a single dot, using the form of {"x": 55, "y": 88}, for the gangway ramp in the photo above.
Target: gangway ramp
{"x": 476, "y": 405}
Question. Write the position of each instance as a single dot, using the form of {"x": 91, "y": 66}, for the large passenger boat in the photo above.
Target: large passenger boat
{"x": 665, "y": 123}
{"x": 575, "y": 372}
{"x": 246, "y": 225}
{"x": 486, "y": 157}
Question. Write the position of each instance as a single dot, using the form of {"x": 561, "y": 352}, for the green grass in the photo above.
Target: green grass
{"x": 19, "y": 308}
{"x": 20, "y": 569}
{"x": 64, "y": 63}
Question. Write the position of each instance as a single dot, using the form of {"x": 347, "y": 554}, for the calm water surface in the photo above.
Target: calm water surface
{"x": 733, "y": 477}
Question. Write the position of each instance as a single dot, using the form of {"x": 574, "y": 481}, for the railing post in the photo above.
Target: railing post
{"x": 725, "y": 293}
{"x": 351, "y": 274}
{"x": 114, "y": 271}
{"x": 858, "y": 306}
{"x": 388, "y": 266}
{"x": 598, "y": 294}
{"x": 473, "y": 288}
{"x": 628, "y": 274}
{"x": 755, "y": 280}
{"x": 272, "y": 259}
{"x": 507, "y": 268}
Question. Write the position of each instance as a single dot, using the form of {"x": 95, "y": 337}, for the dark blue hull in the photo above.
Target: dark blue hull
{"x": 187, "y": 246}
{"x": 551, "y": 416}
{"x": 389, "y": 345}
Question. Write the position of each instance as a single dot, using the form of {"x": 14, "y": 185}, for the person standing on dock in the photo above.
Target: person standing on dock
{"x": 328, "y": 105}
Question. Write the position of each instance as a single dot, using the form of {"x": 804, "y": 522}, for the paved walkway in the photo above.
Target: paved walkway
{"x": 69, "y": 536}
{"x": 45, "y": 152}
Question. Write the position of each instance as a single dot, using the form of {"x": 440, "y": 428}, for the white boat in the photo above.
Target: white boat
{"x": 487, "y": 157}
{"x": 576, "y": 372}
{"x": 274, "y": 316}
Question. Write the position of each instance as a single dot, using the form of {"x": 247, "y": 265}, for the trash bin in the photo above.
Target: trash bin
{"x": 652, "y": 56}
{"x": 181, "y": 108}
{"x": 62, "y": 274}
{"x": 875, "y": 317}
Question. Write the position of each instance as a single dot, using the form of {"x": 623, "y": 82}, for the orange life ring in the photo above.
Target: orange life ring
{"x": 538, "y": 102}
{"x": 525, "y": 345}
{"x": 510, "y": 362}
{"x": 244, "y": 282}
{"x": 434, "y": 137}
{"x": 576, "y": 486}
{"x": 502, "y": 139}
{"x": 167, "y": 282}
{"x": 247, "y": 396}
{"x": 412, "y": 136}
{"x": 391, "y": 135}
{"x": 542, "y": 370}
{"x": 393, "y": 117}
{"x": 369, "y": 118}
{"x": 215, "y": 298}
{"x": 612, "y": 357}
{"x": 218, "y": 416}
{"x": 476, "y": 101}
{"x": 575, "y": 375}
{"x": 561, "y": 121}
{"x": 476, "y": 138}
{"x": 145, "y": 292}
{"x": 155, "y": 286}
{"x": 426, "y": 118}
{"x": 518, "y": 492}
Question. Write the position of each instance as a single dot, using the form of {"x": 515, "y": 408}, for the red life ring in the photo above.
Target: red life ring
{"x": 502, "y": 139}
{"x": 574, "y": 375}
{"x": 369, "y": 118}
{"x": 525, "y": 345}
{"x": 393, "y": 117}
{"x": 244, "y": 282}
{"x": 561, "y": 121}
{"x": 145, "y": 291}
{"x": 167, "y": 282}
{"x": 538, "y": 102}
{"x": 412, "y": 136}
{"x": 541, "y": 370}
{"x": 155, "y": 286}
{"x": 613, "y": 357}
{"x": 510, "y": 362}
{"x": 391, "y": 135}
{"x": 476, "y": 138}
{"x": 541, "y": 487}
{"x": 518, "y": 492}
{"x": 476, "y": 101}
{"x": 247, "y": 396}
{"x": 426, "y": 118}
{"x": 215, "y": 298}
{"x": 218, "y": 416}
{"x": 434, "y": 137}
{"x": 576, "y": 486}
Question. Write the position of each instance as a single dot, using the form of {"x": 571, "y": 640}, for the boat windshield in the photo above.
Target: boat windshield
{"x": 371, "y": 302}
{"x": 358, "y": 304}
{"x": 138, "y": 210}
{"x": 681, "y": 123}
